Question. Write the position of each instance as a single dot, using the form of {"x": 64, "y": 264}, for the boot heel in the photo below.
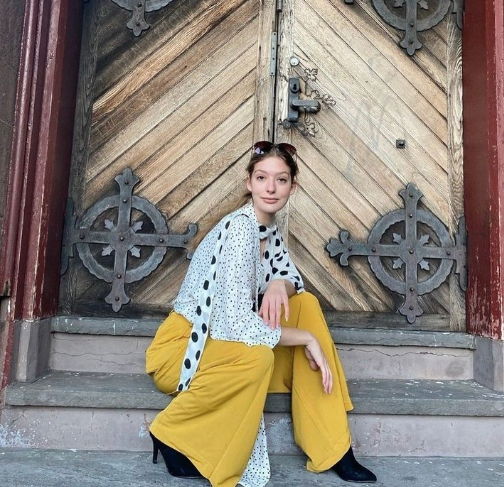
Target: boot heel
{"x": 177, "y": 464}
{"x": 350, "y": 470}
{"x": 155, "y": 450}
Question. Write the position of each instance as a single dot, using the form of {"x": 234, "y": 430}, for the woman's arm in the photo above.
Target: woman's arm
{"x": 233, "y": 315}
{"x": 313, "y": 350}
{"x": 286, "y": 281}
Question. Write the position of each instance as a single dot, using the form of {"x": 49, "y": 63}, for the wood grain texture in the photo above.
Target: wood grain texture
{"x": 372, "y": 93}
{"x": 265, "y": 83}
{"x": 182, "y": 103}
{"x": 455, "y": 156}
{"x": 81, "y": 136}
{"x": 178, "y": 106}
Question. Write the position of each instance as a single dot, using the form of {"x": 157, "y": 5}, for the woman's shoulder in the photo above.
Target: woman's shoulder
{"x": 242, "y": 218}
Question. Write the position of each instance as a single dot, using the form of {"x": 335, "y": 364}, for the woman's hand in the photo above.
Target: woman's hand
{"x": 271, "y": 308}
{"x": 317, "y": 359}
{"x": 292, "y": 337}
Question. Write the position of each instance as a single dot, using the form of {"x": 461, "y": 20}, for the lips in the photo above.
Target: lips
{"x": 270, "y": 200}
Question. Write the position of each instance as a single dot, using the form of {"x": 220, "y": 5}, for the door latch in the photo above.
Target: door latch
{"x": 296, "y": 104}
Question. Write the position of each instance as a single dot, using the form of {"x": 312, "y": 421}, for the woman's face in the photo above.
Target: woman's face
{"x": 271, "y": 185}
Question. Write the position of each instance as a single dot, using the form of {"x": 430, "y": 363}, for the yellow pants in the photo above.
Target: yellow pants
{"x": 215, "y": 422}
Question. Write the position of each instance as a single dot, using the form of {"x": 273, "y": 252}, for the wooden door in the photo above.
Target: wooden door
{"x": 180, "y": 105}
{"x": 372, "y": 94}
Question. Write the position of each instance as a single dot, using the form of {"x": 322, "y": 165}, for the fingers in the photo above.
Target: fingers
{"x": 317, "y": 361}
{"x": 271, "y": 312}
{"x": 327, "y": 378}
{"x": 285, "y": 301}
{"x": 313, "y": 364}
{"x": 328, "y": 382}
{"x": 277, "y": 310}
{"x": 271, "y": 308}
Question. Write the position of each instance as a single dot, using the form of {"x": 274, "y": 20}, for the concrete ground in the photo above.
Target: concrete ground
{"x": 67, "y": 468}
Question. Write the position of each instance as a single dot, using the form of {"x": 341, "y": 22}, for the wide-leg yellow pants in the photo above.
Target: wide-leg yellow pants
{"x": 215, "y": 422}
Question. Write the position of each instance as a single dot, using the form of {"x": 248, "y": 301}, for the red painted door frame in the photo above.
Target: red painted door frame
{"x": 483, "y": 80}
{"x": 40, "y": 161}
{"x": 42, "y": 152}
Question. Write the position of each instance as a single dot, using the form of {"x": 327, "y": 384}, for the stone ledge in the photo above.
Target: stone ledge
{"x": 105, "y": 326}
{"x": 341, "y": 335}
{"x": 489, "y": 363}
{"x": 378, "y": 397}
{"x": 20, "y": 467}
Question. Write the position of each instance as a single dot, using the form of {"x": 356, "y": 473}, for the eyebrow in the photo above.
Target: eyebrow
{"x": 276, "y": 174}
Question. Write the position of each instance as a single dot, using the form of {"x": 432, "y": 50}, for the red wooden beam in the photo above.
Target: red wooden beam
{"x": 10, "y": 266}
{"x": 40, "y": 165}
{"x": 19, "y": 146}
{"x": 483, "y": 84}
{"x": 43, "y": 136}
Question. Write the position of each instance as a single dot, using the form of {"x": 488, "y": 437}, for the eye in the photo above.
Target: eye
{"x": 283, "y": 180}
{"x": 260, "y": 177}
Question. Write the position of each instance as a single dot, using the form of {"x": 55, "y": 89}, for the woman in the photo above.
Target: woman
{"x": 243, "y": 326}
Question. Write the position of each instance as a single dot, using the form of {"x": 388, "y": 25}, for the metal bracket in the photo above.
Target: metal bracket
{"x": 274, "y": 49}
{"x": 138, "y": 8}
{"x": 458, "y": 9}
{"x": 409, "y": 250}
{"x": 120, "y": 239}
{"x": 296, "y": 104}
{"x": 307, "y": 76}
{"x": 413, "y": 16}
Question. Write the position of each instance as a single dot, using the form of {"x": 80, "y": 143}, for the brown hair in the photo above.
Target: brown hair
{"x": 232, "y": 205}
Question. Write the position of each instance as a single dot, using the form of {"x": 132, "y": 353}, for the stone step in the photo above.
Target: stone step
{"x": 60, "y": 468}
{"x": 118, "y": 346}
{"x": 91, "y": 411}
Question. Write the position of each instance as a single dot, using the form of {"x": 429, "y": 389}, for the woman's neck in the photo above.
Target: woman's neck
{"x": 265, "y": 219}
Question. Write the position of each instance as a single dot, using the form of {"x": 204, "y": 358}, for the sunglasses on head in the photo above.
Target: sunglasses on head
{"x": 264, "y": 146}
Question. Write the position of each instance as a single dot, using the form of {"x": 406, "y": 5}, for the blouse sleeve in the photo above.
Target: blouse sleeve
{"x": 283, "y": 267}
{"x": 233, "y": 315}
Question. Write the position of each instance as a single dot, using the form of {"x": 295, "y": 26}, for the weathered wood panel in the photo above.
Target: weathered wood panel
{"x": 455, "y": 155}
{"x": 351, "y": 171}
{"x": 180, "y": 106}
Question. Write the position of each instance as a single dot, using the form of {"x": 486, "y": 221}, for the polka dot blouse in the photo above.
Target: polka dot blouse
{"x": 221, "y": 295}
{"x": 241, "y": 277}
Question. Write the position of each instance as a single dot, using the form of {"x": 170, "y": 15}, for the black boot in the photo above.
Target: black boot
{"x": 350, "y": 470}
{"x": 177, "y": 464}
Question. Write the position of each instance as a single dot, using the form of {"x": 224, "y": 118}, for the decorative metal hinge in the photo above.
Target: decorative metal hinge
{"x": 458, "y": 8}
{"x": 138, "y": 8}
{"x": 408, "y": 251}
{"x": 273, "y": 54}
{"x": 120, "y": 237}
{"x": 413, "y": 16}
{"x": 314, "y": 99}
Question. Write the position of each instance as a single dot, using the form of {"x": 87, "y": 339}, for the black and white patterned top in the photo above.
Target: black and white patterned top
{"x": 220, "y": 295}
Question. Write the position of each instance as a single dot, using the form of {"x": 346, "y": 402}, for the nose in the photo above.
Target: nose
{"x": 271, "y": 187}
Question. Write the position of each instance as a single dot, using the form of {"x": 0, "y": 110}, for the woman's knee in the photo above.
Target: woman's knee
{"x": 304, "y": 298}
{"x": 306, "y": 313}
{"x": 262, "y": 359}
{"x": 308, "y": 298}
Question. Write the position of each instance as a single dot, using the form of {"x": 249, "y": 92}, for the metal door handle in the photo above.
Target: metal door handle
{"x": 295, "y": 104}
{"x": 311, "y": 106}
